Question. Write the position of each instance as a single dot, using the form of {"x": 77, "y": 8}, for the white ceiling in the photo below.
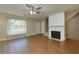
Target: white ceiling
{"x": 47, "y": 9}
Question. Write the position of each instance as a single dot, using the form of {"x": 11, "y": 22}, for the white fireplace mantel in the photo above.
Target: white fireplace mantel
{"x": 56, "y": 23}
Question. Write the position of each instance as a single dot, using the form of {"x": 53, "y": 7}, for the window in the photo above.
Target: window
{"x": 16, "y": 26}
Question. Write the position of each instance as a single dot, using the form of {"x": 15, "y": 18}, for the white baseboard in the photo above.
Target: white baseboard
{"x": 3, "y": 39}
{"x": 9, "y": 38}
{"x": 17, "y": 37}
{"x": 33, "y": 34}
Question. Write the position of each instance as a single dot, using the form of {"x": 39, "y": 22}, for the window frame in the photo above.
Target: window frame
{"x": 7, "y": 26}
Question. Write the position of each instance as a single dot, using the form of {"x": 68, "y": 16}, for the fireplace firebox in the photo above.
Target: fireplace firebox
{"x": 55, "y": 34}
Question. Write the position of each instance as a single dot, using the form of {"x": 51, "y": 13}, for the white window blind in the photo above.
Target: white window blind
{"x": 15, "y": 26}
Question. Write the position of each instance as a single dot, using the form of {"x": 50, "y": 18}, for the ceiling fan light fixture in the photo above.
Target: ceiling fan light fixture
{"x": 32, "y": 12}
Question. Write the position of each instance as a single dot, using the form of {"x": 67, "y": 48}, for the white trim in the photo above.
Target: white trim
{"x": 3, "y": 39}
{"x": 33, "y": 34}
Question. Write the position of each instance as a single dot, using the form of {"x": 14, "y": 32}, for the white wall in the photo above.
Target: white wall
{"x": 56, "y": 19}
{"x": 37, "y": 26}
{"x": 31, "y": 26}
{"x": 57, "y": 23}
{"x": 43, "y": 29}
{"x": 72, "y": 26}
{"x": 2, "y": 26}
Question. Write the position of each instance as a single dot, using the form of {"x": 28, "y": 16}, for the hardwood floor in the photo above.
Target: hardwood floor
{"x": 38, "y": 44}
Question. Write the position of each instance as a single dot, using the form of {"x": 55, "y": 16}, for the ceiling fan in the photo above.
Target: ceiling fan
{"x": 33, "y": 9}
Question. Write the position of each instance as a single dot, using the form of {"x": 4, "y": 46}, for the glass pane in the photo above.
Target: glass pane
{"x": 17, "y": 27}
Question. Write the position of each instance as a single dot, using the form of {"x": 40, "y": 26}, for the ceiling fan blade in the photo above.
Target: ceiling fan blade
{"x": 38, "y": 8}
{"x": 38, "y": 12}
{"x": 29, "y": 6}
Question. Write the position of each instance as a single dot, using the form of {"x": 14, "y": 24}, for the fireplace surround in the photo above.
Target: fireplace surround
{"x": 57, "y": 26}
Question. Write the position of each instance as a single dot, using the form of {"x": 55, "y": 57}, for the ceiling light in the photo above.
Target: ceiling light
{"x": 32, "y": 12}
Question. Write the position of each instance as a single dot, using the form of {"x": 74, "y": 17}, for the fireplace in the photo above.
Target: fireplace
{"x": 55, "y": 34}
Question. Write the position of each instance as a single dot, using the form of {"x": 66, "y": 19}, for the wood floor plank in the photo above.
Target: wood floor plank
{"x": 38, "y": 44}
